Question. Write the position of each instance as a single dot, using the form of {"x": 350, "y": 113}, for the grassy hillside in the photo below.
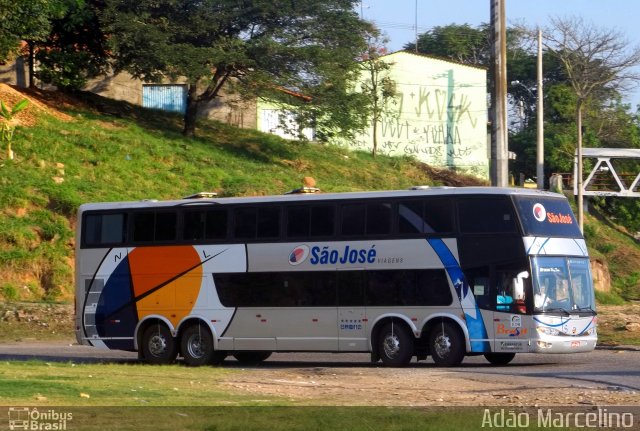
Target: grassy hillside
{"x": 93, "y": 150}
{"x": 71, "y": 151}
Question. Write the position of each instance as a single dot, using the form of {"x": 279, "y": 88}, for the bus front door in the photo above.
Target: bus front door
{"x": 510, "y": 322}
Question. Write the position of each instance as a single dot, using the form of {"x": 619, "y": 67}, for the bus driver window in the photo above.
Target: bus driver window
{"x": 511, "y": 292}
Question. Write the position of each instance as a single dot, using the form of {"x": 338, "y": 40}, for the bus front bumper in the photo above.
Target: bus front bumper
{"x": 564, "y": 345}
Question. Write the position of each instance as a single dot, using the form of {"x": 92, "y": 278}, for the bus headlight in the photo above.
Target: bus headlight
{"x": 547, "y": 331}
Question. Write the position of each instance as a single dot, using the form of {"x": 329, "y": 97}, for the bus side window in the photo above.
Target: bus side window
{"x": 353, "y": 220}
{"x": 268, "y": 222}
{"x": 410, "y": 216}
{"x": 158, "y": 226}
{"x": 100, "y": 229}
{"x": 245, "y": 223}
{"x": 438, "y": 215}
{"x": 194, "y": 225}
{"x": 216, "y": 224}
{"x": 199, "y": 224}
{"x": 166, "y": 226}
{"x": 479, "y": 285}
{"x": 323, "y": 220}
{"x": 486, "y": 215}
{"x": 378, "y": 218}
{"x": 298, "y": 221}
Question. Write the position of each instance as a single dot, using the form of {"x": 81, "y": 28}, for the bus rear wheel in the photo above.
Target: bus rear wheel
{"x": 196, "y": 345}
{"x": 499, "y": 358}
{"x": 158, "y": 345}
{"x": 395, "y": 345}
{"x": 251, "y": 358}
{"x": 446, "y": 345}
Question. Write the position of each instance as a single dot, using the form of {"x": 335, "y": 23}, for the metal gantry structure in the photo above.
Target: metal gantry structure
{"x": 605, "y": 179}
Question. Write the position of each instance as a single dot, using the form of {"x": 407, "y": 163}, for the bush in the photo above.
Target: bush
{"x": 608, "y": 298}
{"x": 9, "y": 292}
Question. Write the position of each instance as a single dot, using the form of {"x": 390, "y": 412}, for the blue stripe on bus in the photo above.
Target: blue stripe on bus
{"x": 116, "y": 315}
{"x": 475, "y": 323}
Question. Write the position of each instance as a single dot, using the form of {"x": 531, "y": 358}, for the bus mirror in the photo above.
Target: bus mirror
{"x": 518, "y": 284}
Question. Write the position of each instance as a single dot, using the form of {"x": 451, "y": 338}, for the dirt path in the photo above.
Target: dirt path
{"x": 420, "y": 387}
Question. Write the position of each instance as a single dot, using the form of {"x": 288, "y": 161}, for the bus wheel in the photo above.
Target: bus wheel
{"x": 196, "y": 345}
{"x": 158, "y": 346}
{"x": 499, "y": 358}
{"x": 446, "y": 345}
{"x": 251, "y": 358}
{"x": 395, "y": 345}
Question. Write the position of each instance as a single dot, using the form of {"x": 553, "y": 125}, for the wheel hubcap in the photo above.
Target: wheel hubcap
{"x": 157, "y": 345}
{"x": 195, "y": 346}
{"x": 391, "y": 345}
{"x": 442, "y": 345}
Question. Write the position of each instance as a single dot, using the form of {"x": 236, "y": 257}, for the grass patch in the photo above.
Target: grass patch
{"x": 68, "y": 384}
{"x": 608, "y": 298}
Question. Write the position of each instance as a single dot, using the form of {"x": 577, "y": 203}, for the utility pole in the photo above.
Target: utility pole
{"x": 416, "y": 25}
{"x": 540, "y": 120}
{"x": 499, "y": 146}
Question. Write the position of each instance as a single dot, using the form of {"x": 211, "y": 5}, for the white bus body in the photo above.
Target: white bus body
{"x": 445, "y": 272}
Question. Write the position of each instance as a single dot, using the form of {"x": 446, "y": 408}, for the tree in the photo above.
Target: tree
{"x": 459, "y": 42}
{"x": 251, "y": 46}
{"x": 596, "y": 61}
{"x": 76, "y": 48}
{"x": 29, "y": 21}
{"x": 377, "y": 86}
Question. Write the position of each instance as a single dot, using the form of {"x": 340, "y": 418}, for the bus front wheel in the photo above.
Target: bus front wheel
{"x": 158, "y": 345}
{"x": 395, "y": 345}
{"x": 196, "y": 345}
{"x": 446, "y": 345}
{"x": 499, "y": 358}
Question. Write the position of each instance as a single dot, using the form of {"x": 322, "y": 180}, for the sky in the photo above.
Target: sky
{"x": 397, "y": 18}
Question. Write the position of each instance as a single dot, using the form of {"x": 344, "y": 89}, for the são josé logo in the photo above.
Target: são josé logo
{"x": 326, "y": 255}
{"x": 299, "y": 255}
{"x": 539, "y": 212}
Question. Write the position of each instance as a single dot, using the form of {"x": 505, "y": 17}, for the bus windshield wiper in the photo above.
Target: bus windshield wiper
{"x": 555, "y": 310}
{"x": 588, "y": 308}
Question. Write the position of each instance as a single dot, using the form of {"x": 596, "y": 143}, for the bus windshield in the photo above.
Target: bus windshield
{"x": 562, "y": 285}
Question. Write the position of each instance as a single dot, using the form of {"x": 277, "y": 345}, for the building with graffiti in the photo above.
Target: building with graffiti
{"x": 438, "y": 114}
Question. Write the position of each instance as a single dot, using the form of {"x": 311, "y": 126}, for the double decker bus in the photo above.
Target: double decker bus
{"x": 441, "y": 272}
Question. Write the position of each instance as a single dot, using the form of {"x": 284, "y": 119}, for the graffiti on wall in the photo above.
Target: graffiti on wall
{"x": 439, "y": 122}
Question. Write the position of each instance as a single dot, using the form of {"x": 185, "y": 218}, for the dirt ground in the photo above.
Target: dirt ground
{"x": 419, "y": 387}
{"x": 367, "y": 385}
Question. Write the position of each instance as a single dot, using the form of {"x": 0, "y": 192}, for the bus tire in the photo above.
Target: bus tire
{"x": 196, "y": 345}
{"x": 395, "y": 345}
{"x": 158, "y": 345}
{"x": 251, "y": 358}
{"x": 446, "y": 345}
{"x": 499, "y": 358}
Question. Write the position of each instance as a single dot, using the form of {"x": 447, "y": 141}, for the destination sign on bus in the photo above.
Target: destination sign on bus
{"x": 540, "y": 213}
{"x": 547, "y": 217}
